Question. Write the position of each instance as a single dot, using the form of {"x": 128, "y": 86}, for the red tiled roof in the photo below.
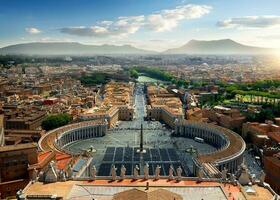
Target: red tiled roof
{"x": 274, "y": 136}
{"x": 62, "y": 160}
{"x": 43, "y": 155}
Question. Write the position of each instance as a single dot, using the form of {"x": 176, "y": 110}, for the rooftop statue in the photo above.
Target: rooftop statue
{"x": 136, "y": 172}
{"x": 179, "y": 173}
{"x": 123, "y": 171}
{"x": 114, "y": 173}
{"x": 146, "y": 171}
{"x": 157, "y": 172}
{"x": 171, "y": 173}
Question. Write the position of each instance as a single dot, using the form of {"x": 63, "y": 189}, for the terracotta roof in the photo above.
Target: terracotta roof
{"x": 43, "y": 155}
{"x": 62, "y": 160}
{"x": 43, "y": 160}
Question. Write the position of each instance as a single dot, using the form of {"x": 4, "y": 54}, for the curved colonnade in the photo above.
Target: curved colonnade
{"x": 230, "y": 145}
{"x": 58, "y": 138}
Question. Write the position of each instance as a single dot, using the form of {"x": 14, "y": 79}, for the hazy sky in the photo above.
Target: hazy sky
{"x": 148, "y": 24}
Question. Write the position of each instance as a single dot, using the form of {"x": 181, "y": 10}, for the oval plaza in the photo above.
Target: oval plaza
{"x": 137, "y": 126}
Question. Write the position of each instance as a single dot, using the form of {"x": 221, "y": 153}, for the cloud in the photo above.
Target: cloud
{"x": 251, "y": 22}
{"x": 51, "y": 39}
{"x": 156, "y": 40}
{"x": 164, "y": 20}
{"x": 271, "y": 37}
{"x": 31, "y": 30}
{"x": 85, "y": 31}
{"x": 122, "y": 26}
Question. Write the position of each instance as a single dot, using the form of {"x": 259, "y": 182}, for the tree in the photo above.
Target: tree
{"x": 133, "y": 73}
{"x": 93, "y": 79}
{"x": 265, "y": 114}
{"x": 55, "y": 121}
{"x": 159, "y": 74}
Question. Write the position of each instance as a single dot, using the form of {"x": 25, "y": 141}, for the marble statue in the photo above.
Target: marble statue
{"x": 179, "y": 173}
{"x": 146, "y": 171}
{"x": 51, "y": 175}
{"x": 224, "y": 174}
{"x": 34, "y": 174}
{"x": 70, "y": 172}
{"x": 171, "y": 173}
{"x": 240, "y": 168}
{"x": 41, "y": 176}
{"x": 232, "y": 178}
{"x": 62, "y": 176}
{"x": 93, "y": 172}
{"x": 20, "y": 195}
{"x": 157, "y": 172}
{"x": 136, "y": 172}
{"x": 253, "y": 178}
{"x": 244, "y": 177}
{"x": 123, "y": 171}
{"x": 262, "y": 178}
{"x": 200, "y": 174}
{"x": 114, "y": 173}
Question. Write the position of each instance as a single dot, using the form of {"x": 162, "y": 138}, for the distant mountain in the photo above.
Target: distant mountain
{"x": 69, "y": 48}
{"x": 225, "y": 46}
